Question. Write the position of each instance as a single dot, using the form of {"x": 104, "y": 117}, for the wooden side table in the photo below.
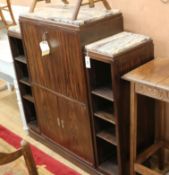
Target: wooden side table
{"x": 152, "y": 80}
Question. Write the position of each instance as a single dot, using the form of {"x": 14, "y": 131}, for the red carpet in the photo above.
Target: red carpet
{"x": 40, "y": 157}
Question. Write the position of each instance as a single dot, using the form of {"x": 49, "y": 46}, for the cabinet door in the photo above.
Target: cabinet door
{"x": 73, "y": 132}
{"x": 62, "y": 70}
{"x": 48, "y": 114}
{"x": 75, "y": 125}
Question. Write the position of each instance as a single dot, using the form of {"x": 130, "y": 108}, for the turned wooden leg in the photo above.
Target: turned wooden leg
{"x": 76, "y": 11}
{"x": 11, "y": 13}
{"x": 33, "y": 5}
{"x": 3, "y": 19}
{"x": 106, "y": 4}
{"x": 65, "y": 1}
{"x": 91, "y": 3}
{"x": 27, "y": 154}
{"x": 133, "y": 129}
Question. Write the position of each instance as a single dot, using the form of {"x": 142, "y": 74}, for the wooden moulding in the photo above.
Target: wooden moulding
{"x": 152, "y": 91}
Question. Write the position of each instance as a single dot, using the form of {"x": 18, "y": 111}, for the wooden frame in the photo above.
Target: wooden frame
{"x": 8, "y": 8}
{"x": 24, "y": 151}
{"x": 137, "y": 160}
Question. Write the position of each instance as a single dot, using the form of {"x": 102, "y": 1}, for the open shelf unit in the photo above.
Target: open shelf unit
{"x": 109, "y": 98}
{"x": 104, "y": 117}
{"x": 23, "y": 79}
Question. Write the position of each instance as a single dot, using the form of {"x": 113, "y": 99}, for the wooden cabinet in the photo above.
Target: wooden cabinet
{"x": 64, "y": 121}
{"x": 106, "y": 61}
{"x": 82, "y": 112}
{"x": 59, "y": 80}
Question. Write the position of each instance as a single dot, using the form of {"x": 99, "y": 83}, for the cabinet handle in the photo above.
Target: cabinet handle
{"x": 63, "y": 124}
{"x": 58, "y": 120}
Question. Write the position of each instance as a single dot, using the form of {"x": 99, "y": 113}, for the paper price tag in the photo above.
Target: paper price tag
{"x": 87, "y": 62}
{"x": 45, "y": 49}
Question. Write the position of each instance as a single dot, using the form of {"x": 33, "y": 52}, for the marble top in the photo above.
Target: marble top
{"x": 63, "y": 14}
{"x": 116, "y": 44}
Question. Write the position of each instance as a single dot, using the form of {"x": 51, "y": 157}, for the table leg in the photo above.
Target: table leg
{"x": 11, "y": 12}
{"x": 33, "y": 5}
{"x": 133, "y": 128}
{"x": 161, "y": 153}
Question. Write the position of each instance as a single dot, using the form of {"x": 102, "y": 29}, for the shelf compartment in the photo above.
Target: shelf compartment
{"x": 106, "y": 115}
{"x": 105, "y": 131}
{"x": 107, "y": 157}
{"x": 16, "y": 46}
{"x": 100, "y": 74}
{"x": 25, "y": 80}
{"x": 34, "y": 126}
{"x": 107, "y": 135}
{"x": 26, "y": 92}
{"x": 30, "y": 112}
{"x": 109, "y": 166}
{"x": 103, "y": 109}
{"x": 21, "y": 59}
{"x": 21, "y": 70}
{"x": 28, "y": 97}
{"x": 104, "y": 92}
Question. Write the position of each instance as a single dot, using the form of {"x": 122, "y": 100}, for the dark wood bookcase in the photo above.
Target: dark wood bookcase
{"x": 59, "y": 83}
{"x": 109, "y": 100}
{"x": 23, "y": 79}
{"x": 104, "y": 116}
{"x": 53, "y": 88}
{"x": 81, "y": 113}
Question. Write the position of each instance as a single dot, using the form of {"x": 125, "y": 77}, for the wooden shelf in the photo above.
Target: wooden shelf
{"x": 28, "y": 97}
{"x": 107, "y": 135}
{"x": 34, "y": 126}
{"x": 104, "y": 92}
{"x": 21, "y": 59}
{"x": 106, "y": 115}
{"x": 25, "y": 81}
{"x": 109, "y": 166}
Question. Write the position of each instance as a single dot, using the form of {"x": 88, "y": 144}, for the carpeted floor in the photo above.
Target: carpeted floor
{"x": 45, "y": 164}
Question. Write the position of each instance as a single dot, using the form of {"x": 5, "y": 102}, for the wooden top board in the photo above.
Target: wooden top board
{"x": 154, "y": 73}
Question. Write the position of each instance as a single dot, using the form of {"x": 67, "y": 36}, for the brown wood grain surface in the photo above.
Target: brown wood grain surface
{"x": 62, "y": 70}
{"x": 65, "y": 122}
{"x": 155, "y": 74}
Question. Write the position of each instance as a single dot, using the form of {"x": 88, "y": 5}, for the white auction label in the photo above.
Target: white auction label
{"x": 87, "y": 62}
{"x": 45, "y": 49}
